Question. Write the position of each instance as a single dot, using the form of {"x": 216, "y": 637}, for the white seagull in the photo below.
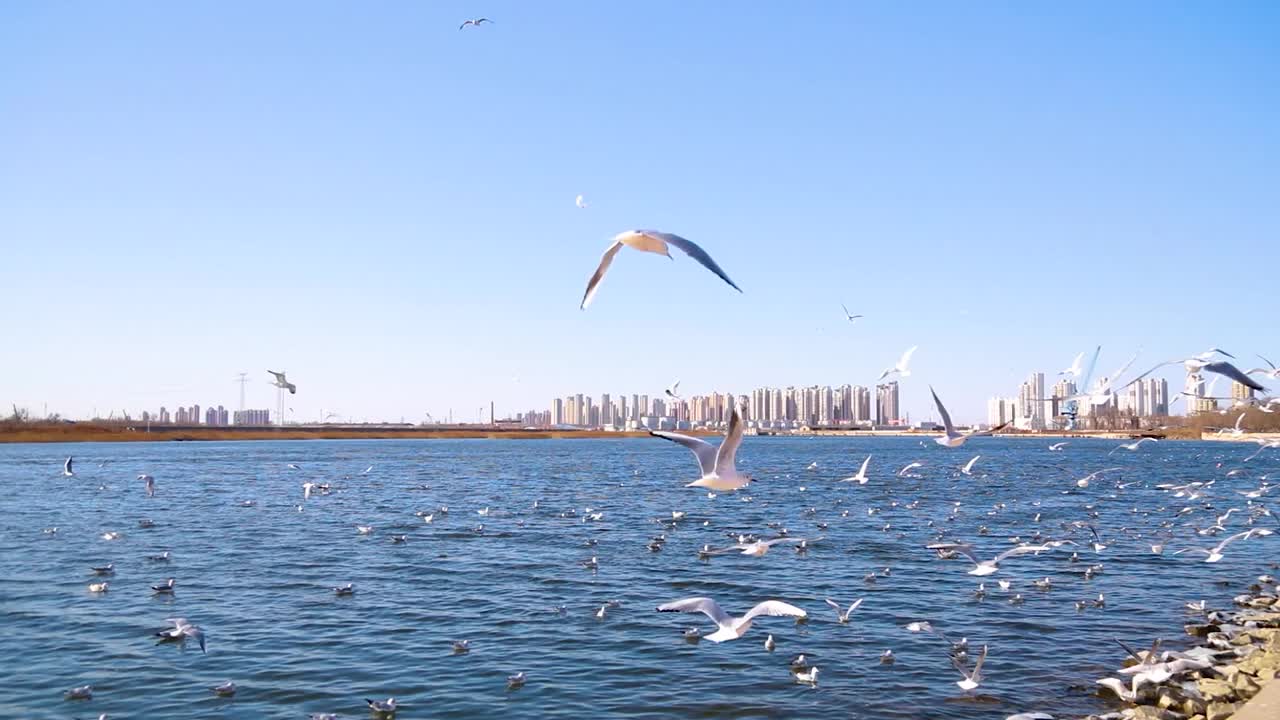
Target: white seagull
{"x": 673, "y": 391}
{"x": 968, "y": 467}
{"x": 651, "y": 241}
{"x": 843, "y": 617}
{"x": 66, "y": 467}
{"x": 861, "y": 477}
{"x": 952, "y": 438}
{"x": 731, "y": 628}
{"x": 1055, "y": 447}
{"x": 972, "y": 678}
{"x": 580, "y": 202}
{"x": 1133, "y": 446}
{"x": 1271, "y": 371}
{"x": 473, "y": 23}
{"x": 282, "y": 382}
{"x": 716, "y": 463}
{"x": 1075, "y": 369}
{"x": 1215, "y": 553}
{"x": 989, "y": 567}
{"x": 901, "y": 366}
{"x": 149, "y": 484}
{"x": 181, "y": 630}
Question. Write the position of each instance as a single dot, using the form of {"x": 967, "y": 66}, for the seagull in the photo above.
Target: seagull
{"x": 903, "y": 472}
{"x": 809, "y": 676}
{"x": 1084, "y": 481}
{"x": 953, "y": 439}
{"x": 731, "y": 628}
{"x": 886, "y": 657}
{"x": 226, "y": 689}
{"x": 1215, "y": 553}
{"x": 181, "y": 630}
{"x": 968, "y": 467}
{"x": 149, "y": 484}
{"x": 756, "y": 548}
{"x": 716, "y": 463}
{"x": 1133, "y": 446}
{"x": 108, "y": 569}
{"x": 580, "y": 202}
{"x": 84, "y": 692}
{"x": 307, "y": 487}
{"x": 68, "y": 472}
{"x": 382, "y": 707}
{"x": 843, "y": 617}
{"x": 651, "y": 241}
{"x": 861, "y": 477}
{"x": 1271, "y": 371}
{"x": 1075, "y": 368}
{"x": 364, "y": 529}
{"x": 165, "y": 588}
{"x": 517, "y": 680}
{"x": 98, "y": 587}
{"x": 1211, "y": 352}
{"x": 989, "y": 567}
{"x": 769, "y": 644}
{"x": 345, "y": 590}
{"x": 971, "y": 678}
{"x": 673, "y": 390}
{"x": 901, "y": 367}
{"x": 461, "y": 646}
{"x": 476, "y": 23}
{"x": 281, "y": 382}
{"x": 111, "y": 535}
{"x": 1057, "y": 446}
{"x": 849, "y": 316}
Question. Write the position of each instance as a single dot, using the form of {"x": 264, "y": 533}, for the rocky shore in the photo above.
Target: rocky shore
{"x": 1236, "y": 654}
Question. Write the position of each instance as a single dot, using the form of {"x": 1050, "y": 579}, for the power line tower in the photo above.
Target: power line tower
{"x": 244, "y": 378}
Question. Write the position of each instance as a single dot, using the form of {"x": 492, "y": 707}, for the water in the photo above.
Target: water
{"x": 258, "y": 579}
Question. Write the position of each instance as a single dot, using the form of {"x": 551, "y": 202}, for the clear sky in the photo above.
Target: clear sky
{"x": 383, "y": 205}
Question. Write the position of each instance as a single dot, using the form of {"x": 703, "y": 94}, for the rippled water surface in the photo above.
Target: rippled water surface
{"x": 258, "y": 577}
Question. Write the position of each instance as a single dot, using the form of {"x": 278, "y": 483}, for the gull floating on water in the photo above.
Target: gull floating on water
{"x": 345, "y": 590}
{"x": 83, "y": 692}
{"x": 382, "y": 707}
{"x": 731, "y": 628}
{"x": 651, "y": 241}
{"x": 809, "y": 676}
{"x": 516, "y": 681}
{"x": 901, "y": 366}
{"x": 226, "y": 689}
{"x": 716, "y": 463}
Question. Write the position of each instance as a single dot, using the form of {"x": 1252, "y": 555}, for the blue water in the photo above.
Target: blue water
{"x": 258, "y": 579}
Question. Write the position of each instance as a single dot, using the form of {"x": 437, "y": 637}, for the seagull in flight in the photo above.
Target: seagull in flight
{"x": 758, "y": 547}
{"x": 903, "y": 472}
{"x": 282, "y": 382}
{"x": 901, "y": 366}
{"x": 1133, "y": 446}
{"x": 149, "y": 484}
{"x": 952, "y": 438}
{"x": 988, "y": 567}
{"x": 1273, "y": 372}
{"x": 1084, "y": 481}
{"x": 1075, "y": 369}
{"x": 731, "y": 628}
{"x": 849, "y": 316}
{"x": 476, "y": 23}
{"x": 716, "y": 463}
{"x": 580, "y": 202}
{"x": 651, "y": 241}
{"x": 843, "y": 617}
{"x": 971, "y": 677}
{"x": 181, "y": 630}
{"x": 1207, "y": 354}
{"x": 968, "y": 467}
{"x": 861, "y": 477}
{"x": 1215, "y": 553}
{"x": 673, "y": 391}
{"x": 1055, "y": 447}
{"x": 67, "y": 471}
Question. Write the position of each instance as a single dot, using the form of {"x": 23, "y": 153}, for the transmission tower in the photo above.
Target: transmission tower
{"x": 244, "y": 378}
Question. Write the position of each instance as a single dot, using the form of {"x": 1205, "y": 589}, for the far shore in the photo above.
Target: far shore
{"x": 55, "y": 432}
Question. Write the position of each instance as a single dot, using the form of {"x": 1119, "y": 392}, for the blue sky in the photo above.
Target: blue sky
{"x": 383, "y": 205}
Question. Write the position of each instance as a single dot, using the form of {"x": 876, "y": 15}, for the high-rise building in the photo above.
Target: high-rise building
{"x": 606, "y": 410}
{"x": 557, "y": 411}
{"x": 1158, "y": 396}
{"x": 887, "y": 403}
{"x": 1240, "y": 391}
{"x": 252, "y": 417}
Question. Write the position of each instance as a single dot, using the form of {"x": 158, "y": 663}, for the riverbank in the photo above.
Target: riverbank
{"x": 1229, "y": 673}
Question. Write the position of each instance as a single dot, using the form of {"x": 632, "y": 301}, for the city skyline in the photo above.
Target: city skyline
{"x": 394, "y": 233}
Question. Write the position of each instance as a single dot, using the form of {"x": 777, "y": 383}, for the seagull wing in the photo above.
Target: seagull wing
{"x": 862, "y": 472}
{"x": 834, "y": 605}
{"x": 1223, "y": 545}
{"x": 594, "y": 282}
{"x": 942, "y": 410}
{"x": 1019, "y": 550}
{"x": 774, "y": 607}
{"x": 976, "y": 675}
{"x": 729, "y": 448}
{"x": 705, "y": 451}
{"x": 1087, "y": 376}
{"x": 962, "y": 548}
{"x": 1268, "y": 362}
{"x": 906, "y": 357}
{"x": 703, "y": 605}
{"x": 1157, "y": 367}
{"x": 692, "y": 249}
{"x": 1228, "y": 370}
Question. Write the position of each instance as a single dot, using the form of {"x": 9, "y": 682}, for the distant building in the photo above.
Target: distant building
{"x": 252, "y": 417}
{"x": 1241, "y": 392}
{"x": 887, "y": 404}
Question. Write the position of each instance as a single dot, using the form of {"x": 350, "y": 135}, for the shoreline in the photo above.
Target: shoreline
{"x": 62, "y": 432}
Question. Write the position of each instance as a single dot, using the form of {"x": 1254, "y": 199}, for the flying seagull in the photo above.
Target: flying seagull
{"x": 1133, "y": 446}
{"x": 843, "y": 616}
{"x": 673, "y": 391}
{"x": 971, "y": 678}
{"x": 1271, "y": 371}
{"x": 1215, "y": 553}
{"x": 181, "y": 630}
{"x": 651, "y": 241}
{"x": 901, "y": 366}
{"x": 716, "y": 463}
{"x": 988, "y": 567}
{"x": 953, "y": 439}
{"x": 66, "y": 467}
{"x": 1075, "y": 369}
{"x": 849, "y": 316}
{"x": 861, "y": 477}
{"x": 581, "y": 203}
{"x": 731, "y": 628}
{"x": 968, "y": 467}
{"x": 149, "y": 484}
{"x": 475, "y": 23}
{"x": 282, "y": 382}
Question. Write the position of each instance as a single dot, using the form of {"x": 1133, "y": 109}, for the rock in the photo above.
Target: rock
{"x": 1215, "y": 691}
{"x": 1245, "y": 686}
{"x": 1146, "y": 712}
{"x": 1220, "y": 711}
{"x": 1256, "y": 663}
